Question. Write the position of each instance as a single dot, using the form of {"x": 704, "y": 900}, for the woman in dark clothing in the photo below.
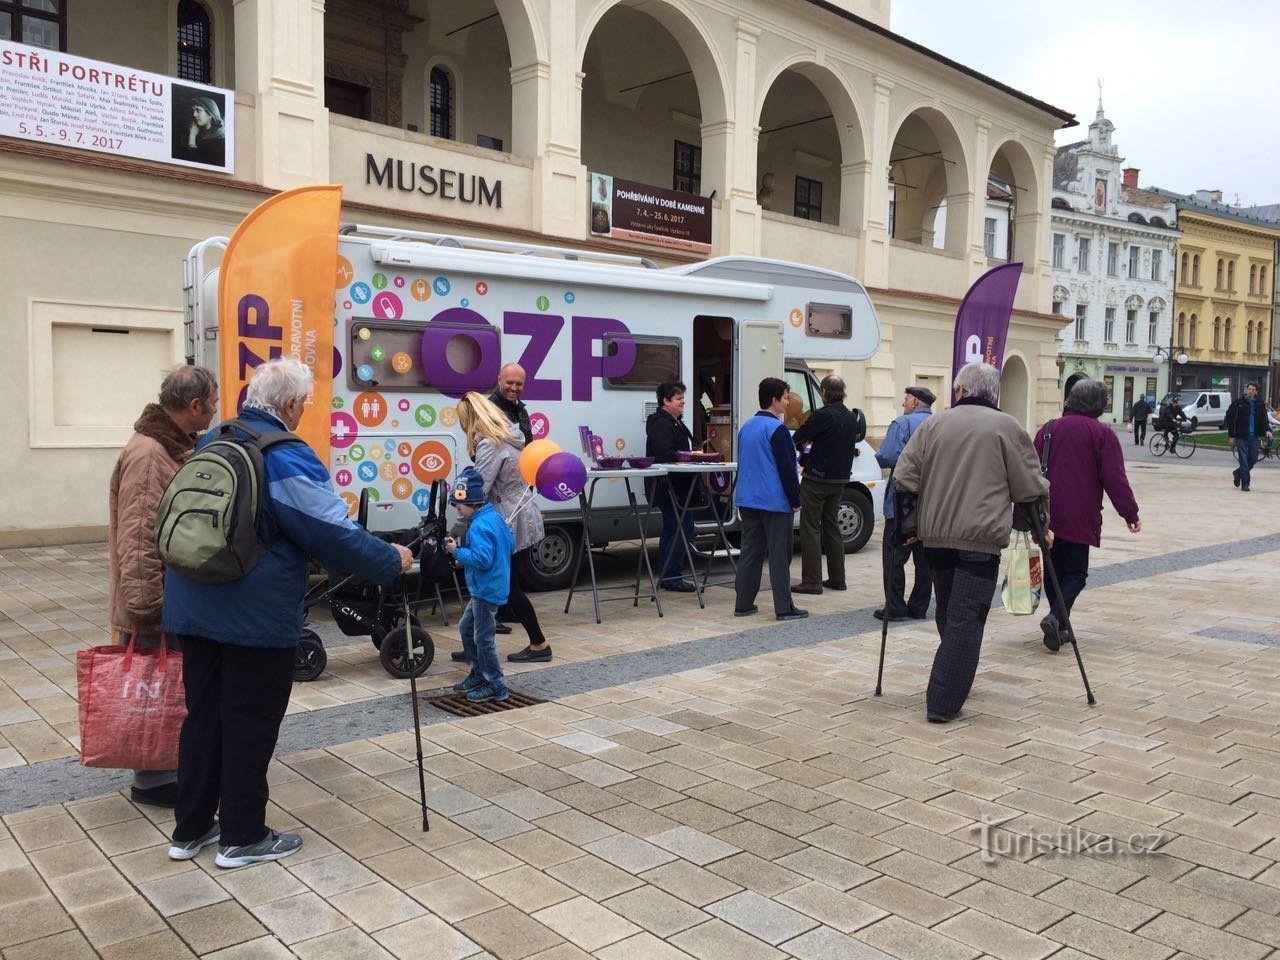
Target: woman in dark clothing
{"x": 665, "y": 435}
{"x": 1085, "y": 459}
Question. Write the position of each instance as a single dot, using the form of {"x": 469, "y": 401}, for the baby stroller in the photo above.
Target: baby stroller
{"x": 361, "y": 608}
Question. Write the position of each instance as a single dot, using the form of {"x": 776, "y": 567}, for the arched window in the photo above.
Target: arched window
{"x": 1231, "y": 275}
{"x": 1217, "y": 333}
{"x": 1262, "y": 280}
{"x": 195, "y": 42}
{"x": 1253, "y": 278}
{"x": 1226, "y": 335}
{"x": 1182, "y": 329}
{"x": 441, "y": 103}
{"x": 1186, "y": 274}
{"x": 1248, "y": 337}
{"x": 1259, "y": 338}
{"x": 1221, "y": 265}
{"x": 1195, "y": 270}
{"x": 1192, "y": 344}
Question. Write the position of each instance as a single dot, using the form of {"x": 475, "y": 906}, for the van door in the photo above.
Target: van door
{"x": 759, "y": 356}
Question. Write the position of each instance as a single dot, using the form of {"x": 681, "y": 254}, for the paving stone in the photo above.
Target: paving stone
{"x": 904, "y": 939}
{"x": 824, "y": 943}
{"x": 995, "y": 937}
{"x": 629, "y": 853}
{"x": 693, "y": 845}
{"x": 594, "y": 877}
{"x": 748, "y": 870}
{"x": 761, "y": 917}
{"x": 376, "y": 906}
{"x": 216, "y": 926}
{"x": 454, "y": 898}
{"x": 163, "y": 945}
{"x": 690, "y": 883}
{"x": 426, "y": 938}
{"x": 299, "y": 918}
{"x": 1202, "y": 941}
{"x": 333, "y": 874}
{"x": 346, "y": 944}
{"x": 70, "y": 945}
{"x": 586, "y": 924}
{"x": 527, "y": 889}
{"x": 834, "y": 871}
{"x": 904, "y": 900}
{"x": 186, "y": 891}
{"x": 716, "y": 940}
{"x": 656, "y": 910}
{"x": 643, "y": 946}
{"x": 1104, "y": 941}
{"x": 831, "y": 907}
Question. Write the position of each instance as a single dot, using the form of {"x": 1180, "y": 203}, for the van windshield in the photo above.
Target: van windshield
{"x": 1189, "y": 397}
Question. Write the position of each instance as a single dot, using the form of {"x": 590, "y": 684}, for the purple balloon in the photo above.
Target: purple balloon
{"x": 562, "y": 476}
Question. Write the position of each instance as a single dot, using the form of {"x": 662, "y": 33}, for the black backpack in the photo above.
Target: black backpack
{"x": 207, "y": 522}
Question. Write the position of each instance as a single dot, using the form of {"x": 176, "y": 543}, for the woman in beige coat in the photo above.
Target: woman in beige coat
{"x": 494, "y": 445}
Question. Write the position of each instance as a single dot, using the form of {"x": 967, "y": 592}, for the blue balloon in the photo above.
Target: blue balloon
{"x": 562, "y": 476}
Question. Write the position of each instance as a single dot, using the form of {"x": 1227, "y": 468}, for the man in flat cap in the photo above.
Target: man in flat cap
{"x": 917, "y": 406}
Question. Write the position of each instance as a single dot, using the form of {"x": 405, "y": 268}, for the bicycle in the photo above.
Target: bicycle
{"x": 1184, "y": 448}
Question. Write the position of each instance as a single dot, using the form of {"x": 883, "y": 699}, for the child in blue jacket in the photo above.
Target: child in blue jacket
{"x": 486, "y": 559}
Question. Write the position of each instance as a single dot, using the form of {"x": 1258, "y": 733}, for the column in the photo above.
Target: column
{"x": 873, "y": 266}
{"x": 734, "y": 145}
{"x": 560, "y": 180}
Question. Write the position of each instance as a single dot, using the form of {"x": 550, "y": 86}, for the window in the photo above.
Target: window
{"x": 1131, "y": 326}
{"x": 1082, "y": 317}
{"x": 989, "y": 236}
{"x": 195, "y": 42}
{"x": 1260, "y": 340}
{"x": 1151, "y": 386}
{"x": 1217, "y": 333}
{"x": 1082, "y": 256}
{"x": 686, "y": 173}
{"x": 808, "y": 199}
{"x": 1156, "y": 266}
{"x": 1262, "y": 280}
{"x": 40, "y": 23}
{"x": 1113, "y": 259}
{"x": 347, "y": 99}
{"x": 1248, "y": 338}
{"x": 1182, "y": 329}
{"x": 1057, "y": 308}
{"x": 1195, "y": 270}
{"x": 1221, "y": 266}
{"x": 657, "y": 361}
{"x": 1253, "y": 278}
{"x": 1135, "y": 259}
{"x": 1231, "y": 276}
{"x": 488, "y": 142}
{"x": 1153, "y": 322}
{"x": 1186, "y": 274}
{"x": 441, "y": 104}
{"x": 1109, "y": 325}
{"x": 1110, "y": 383}
{"x": 831, "y": 320}
{"x": 1059, "y": 250}
{"x": 1226, "y": 335}
{"x": 1194, "y": 324}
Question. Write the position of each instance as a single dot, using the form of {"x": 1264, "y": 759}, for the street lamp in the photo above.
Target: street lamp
{"x": 1175, "y": 355}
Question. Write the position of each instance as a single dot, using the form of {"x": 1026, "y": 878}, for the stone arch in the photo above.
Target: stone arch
{"x": 524, "y": 32}
{"x": 850, "y": 167}
{"x": 1015, "y": 388}
{"x": 926, "y": 153}
{"x": 1012, "y": 162}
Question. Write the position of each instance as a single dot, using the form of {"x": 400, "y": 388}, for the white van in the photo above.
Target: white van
{"x": 426, "y": 318}
{"x": 1205, "y": 408}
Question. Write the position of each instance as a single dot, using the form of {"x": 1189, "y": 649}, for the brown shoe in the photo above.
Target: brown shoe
{"x": 811, "y": 588}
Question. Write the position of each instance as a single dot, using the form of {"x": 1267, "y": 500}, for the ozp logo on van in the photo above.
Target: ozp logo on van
{"x": 599, "y": 348}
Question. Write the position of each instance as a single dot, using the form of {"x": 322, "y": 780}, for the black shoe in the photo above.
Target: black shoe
{"x": 501, "y": 629}
{"x": 750, "y": 611}
{"x": 165, "y": 795}
{"x": 1235, "y": 477}
{"x": 808, "y": 588}
{"x": 879, "y": 615}
{"x": 1244, "y": 489}
{"x": 458, "y": 656}
{"x": 1052, "y": 635}
{"x": 795, "y": 613}
{"x": 941, "y": 717}
{"x": 677, "y": 586}
{"x": 529, "y": 655}
{"x": 834, "y": 586}
{"x": 911, "y": 615}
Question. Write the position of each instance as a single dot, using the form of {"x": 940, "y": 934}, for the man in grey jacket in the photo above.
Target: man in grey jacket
{"x": 964, "y": 469}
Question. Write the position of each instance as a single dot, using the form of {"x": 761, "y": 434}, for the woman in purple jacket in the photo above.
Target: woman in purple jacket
{"x": 1084, "y": 460}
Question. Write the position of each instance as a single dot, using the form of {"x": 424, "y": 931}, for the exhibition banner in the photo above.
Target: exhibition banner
{"x": 982, "y": 323}
{"x": 53, "y": 97}
{"x": 626, "y": 210}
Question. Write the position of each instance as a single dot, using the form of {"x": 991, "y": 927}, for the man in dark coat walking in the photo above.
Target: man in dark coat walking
{"x": 1140, "y": 412}
{"x": 1246, "y": 423}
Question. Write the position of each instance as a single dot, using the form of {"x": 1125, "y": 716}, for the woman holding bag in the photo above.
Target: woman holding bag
{"x": 1084, "y": 459}
{"x": 494, "y": 445}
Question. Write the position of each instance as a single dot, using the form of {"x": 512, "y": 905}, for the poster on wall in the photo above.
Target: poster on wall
{"x": 53, "y": 97}
{"x": 626, "y": 210}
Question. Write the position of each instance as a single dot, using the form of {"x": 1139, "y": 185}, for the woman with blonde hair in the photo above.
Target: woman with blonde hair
{"x": 494, "y": 445}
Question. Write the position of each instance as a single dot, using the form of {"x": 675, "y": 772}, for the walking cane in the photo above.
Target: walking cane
{"x": 884, "y": 636}
{"x": 1038, "y": 523}
{"x": 417, "y": 722}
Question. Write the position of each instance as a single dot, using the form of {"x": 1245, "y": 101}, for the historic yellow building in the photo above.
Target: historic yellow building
{"x": 1223, "y": 298}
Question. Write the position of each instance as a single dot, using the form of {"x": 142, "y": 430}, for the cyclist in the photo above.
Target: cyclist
{"x": 1171, "y": 413}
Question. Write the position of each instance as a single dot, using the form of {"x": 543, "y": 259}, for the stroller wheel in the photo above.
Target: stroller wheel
{"x": 309, "y": 659}
{"x": 396, "y": 660}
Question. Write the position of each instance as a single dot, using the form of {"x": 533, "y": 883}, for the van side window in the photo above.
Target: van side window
{"x": 657, "y": 361}
{"x": 801, "y": 404}
{"x": 828, "y": 320}
{"x": 1215, "y": 401}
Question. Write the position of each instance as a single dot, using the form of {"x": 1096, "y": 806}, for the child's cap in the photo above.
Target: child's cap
{"x": 470, "y": 488}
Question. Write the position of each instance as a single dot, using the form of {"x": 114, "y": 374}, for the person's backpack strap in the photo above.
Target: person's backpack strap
{"x": 1044, "y": 450}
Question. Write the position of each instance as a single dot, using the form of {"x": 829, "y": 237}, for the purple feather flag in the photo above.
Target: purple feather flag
{"x": 982, "y": 323}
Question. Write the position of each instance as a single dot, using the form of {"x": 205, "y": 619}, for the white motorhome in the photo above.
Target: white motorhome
{"x": 422, "y": 318}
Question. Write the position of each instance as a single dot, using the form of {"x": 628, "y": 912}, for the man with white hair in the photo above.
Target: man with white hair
{"x": 956, "y": 480}
{"x": 238, "y": 637}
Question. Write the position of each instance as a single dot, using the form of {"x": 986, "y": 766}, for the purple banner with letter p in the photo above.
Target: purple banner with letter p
{"x": 982, "y": 323}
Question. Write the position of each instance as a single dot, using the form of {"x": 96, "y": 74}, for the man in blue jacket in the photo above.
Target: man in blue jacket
{"x": 768, "y": 494}
{"x": 238, "y": 637}
{"x": 1246, "y": 422}
{"x": 917, "y": 405}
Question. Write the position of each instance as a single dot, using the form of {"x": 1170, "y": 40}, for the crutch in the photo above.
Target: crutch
{"x": 1037, "y": 522}
{"x": 899, "y": 510}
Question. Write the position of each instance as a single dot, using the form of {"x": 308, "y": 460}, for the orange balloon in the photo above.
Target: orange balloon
{"x": 532, "y": 457}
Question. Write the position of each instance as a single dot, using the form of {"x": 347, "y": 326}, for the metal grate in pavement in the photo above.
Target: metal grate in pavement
{"x": 458, "y": 704}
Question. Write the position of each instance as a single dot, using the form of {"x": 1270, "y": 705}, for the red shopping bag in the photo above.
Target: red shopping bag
{"x": 132, "y": 704}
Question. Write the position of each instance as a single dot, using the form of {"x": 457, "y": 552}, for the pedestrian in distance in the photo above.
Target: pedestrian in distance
{"x": 828, "y": 442}
{"x": 486, "y": 558}
{"x": 917, "y": 406}
{"x": 494, "y": 445}
{"x": 1247, "y": 423}
{"x": 239, "y": 636}
{"x": 1084, "y": 461}
{"x": 506, "y": 396}
{"x": 956, "y": 480}
{"x": 665, "y": 435}
{"x": 1140, "y": 412}
{"x": 164, "y": 437}
{"x": 768, "y": 495}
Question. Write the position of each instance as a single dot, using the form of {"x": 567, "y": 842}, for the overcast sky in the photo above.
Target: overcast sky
{"x": 1193, "y": 88}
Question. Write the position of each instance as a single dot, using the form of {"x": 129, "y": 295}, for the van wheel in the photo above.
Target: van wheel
{"x": 548, "y": 564}
{"x": 1195, "y": 422}
{"x": 856, "y": 519}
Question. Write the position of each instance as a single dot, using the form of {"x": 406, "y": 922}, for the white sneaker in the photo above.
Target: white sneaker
{"x": 274, "y": 846}
{"x": 188, "y": 850}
